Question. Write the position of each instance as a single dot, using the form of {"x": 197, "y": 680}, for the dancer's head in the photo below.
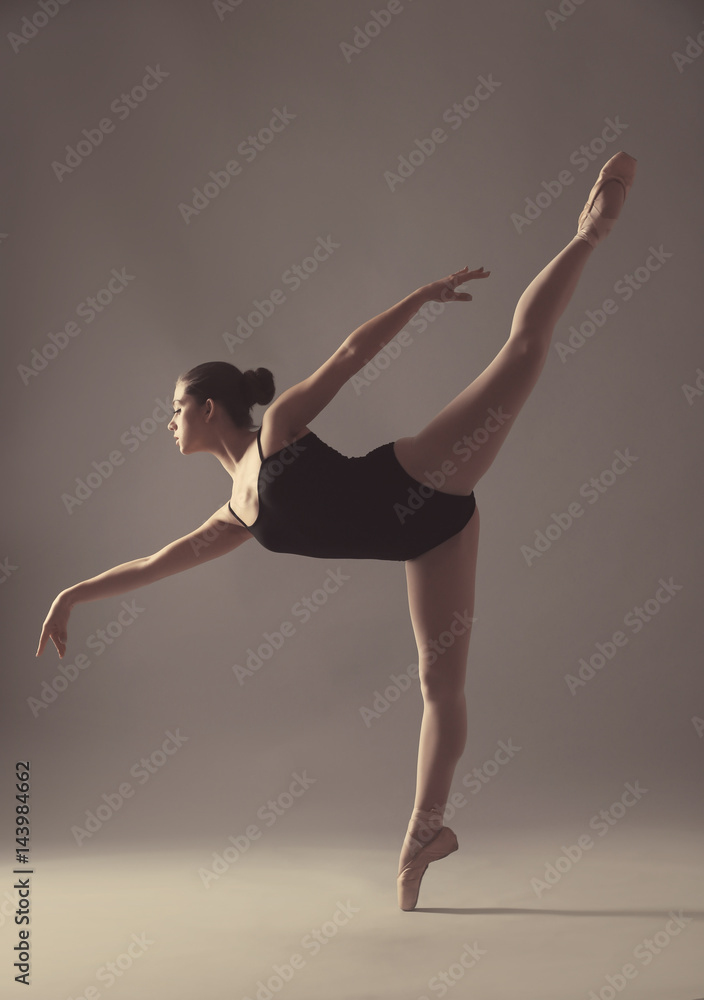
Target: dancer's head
{"x": 214, "y": 397}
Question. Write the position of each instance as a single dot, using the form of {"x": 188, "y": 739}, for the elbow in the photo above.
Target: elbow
{"x": 150, "y": 569}
{"x": 352, "y": 359}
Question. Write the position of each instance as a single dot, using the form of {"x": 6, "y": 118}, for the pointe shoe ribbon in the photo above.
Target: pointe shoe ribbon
{"x": 409, "y": 878}
{"x": 592, "y": 225}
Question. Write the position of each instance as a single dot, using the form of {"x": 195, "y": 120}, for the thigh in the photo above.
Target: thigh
{"x": 461, "y": 442}
{"x": 441, "y": 585}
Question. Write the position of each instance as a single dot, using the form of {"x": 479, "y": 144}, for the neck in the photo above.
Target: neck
{"x": 230, "y": 448}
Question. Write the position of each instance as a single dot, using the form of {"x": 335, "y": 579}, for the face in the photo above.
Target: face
{"x": 187, "y": 421}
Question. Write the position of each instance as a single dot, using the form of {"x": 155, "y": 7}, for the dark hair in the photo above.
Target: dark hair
{"x": 237, "y": 391}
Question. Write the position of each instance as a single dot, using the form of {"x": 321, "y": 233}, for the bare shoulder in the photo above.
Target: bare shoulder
{"x": 277, "y": 432}
{"x": 222, "y": 516}
{"x": 222, "y": 523}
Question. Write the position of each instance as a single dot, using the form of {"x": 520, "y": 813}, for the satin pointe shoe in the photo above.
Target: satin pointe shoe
{"x": 592, "y": 225}
{"x": 409, "y": 878}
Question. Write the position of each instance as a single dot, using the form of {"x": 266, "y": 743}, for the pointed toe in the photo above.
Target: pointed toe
{"x": 593, "y": 226}
{"x": 409, "y": 878}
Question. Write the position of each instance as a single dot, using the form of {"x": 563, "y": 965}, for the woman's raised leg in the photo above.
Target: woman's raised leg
{"x": 470, "y": 430}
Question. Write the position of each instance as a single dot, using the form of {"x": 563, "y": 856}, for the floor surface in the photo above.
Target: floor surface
{"x": 321, "y": 924}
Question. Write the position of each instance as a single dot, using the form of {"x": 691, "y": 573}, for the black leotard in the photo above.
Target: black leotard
{"x": 313, "y": 501}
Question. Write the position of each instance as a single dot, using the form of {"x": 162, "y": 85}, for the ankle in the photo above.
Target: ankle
{"x": 425, "y": 823}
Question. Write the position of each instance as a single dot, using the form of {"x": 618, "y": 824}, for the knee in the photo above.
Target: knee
{"x": 442, "y": 682}
{"x": 530, "y": 341}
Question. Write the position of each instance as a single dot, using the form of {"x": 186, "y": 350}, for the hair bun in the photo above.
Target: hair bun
{"x": 259, "y": 385}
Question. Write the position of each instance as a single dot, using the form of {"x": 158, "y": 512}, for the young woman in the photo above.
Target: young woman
{"x": 409, "y": 500}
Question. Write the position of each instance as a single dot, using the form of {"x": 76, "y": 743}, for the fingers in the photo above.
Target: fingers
{"x": 444, "y": 289}
{"x": 466, "y": 275}
{"x": 42, "y": 642}
{"x": 56, "y": 637}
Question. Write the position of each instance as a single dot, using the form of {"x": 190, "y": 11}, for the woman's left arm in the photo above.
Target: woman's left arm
{"x": 369, "y": 338}
{"x": 298, "y": 406}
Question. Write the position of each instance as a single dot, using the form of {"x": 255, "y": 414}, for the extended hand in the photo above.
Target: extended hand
{"x": 55, "y": 626}
{"x": 444, "y": 289}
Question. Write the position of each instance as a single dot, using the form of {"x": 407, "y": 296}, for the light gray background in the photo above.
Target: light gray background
{"x": 323, "y": 176}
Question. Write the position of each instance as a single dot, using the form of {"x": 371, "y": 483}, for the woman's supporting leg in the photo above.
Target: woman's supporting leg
{"x": 471, "y": 429}
{"x": 441, "y": 603}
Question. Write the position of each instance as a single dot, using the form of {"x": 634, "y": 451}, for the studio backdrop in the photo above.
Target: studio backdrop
{"x": 249, "y": 181}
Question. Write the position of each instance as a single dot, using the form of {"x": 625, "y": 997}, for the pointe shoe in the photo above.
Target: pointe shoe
{"x": 592, "y": 225}
{"x": 409, "y": 878}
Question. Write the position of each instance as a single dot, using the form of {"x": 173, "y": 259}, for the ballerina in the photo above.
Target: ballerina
{"x": 411, "y": 499}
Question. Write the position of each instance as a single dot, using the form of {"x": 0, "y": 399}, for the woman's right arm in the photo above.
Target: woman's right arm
{"x": 217, "y": 536}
